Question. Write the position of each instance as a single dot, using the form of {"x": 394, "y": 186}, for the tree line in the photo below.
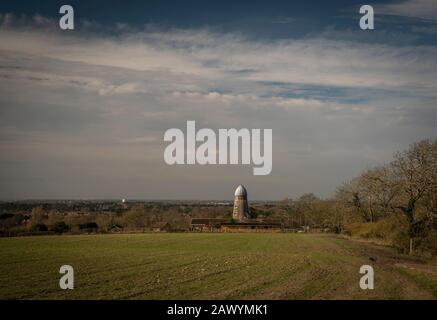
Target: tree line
{"x": 401, "y": 194}
{"x": 395, "y": 204}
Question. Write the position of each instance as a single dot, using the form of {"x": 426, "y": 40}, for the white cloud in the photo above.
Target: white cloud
{"x": 424, "y": 9}
{"x": 86, "y": 107}
{"x": 211, "y": 57}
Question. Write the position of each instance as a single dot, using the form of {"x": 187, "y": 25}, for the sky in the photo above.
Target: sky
{"x": 83, "y": 112}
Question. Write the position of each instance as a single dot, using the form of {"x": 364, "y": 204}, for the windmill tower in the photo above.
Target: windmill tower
{"x": 241, "y": 208}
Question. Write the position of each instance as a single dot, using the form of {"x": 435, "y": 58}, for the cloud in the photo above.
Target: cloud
{"x": 84, "y": 113}
{"x": 423, "y": 9}
{"x": 212, "y": 56}
{"x": 139, "y": 140}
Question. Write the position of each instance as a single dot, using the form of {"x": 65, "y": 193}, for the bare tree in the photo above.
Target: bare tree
{"x": 415, "y": 172}
{"x": 379, "y": 190}
{"x": 37, "y": 217}
{"x": 352, "y": 197}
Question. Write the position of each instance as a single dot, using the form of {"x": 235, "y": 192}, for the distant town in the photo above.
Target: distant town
{"x": 35, "y": 217}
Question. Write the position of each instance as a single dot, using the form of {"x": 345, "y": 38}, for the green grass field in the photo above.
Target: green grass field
{"x": 208, "y": 266}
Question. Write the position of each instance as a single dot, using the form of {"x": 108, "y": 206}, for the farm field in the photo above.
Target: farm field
{"x": 209, "y": 266}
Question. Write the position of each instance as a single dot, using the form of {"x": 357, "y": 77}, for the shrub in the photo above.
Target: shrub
{"x": 40, "y": 227}
{"x": 427, "y": 245}
{"x": 59, "y": 227}
{"x": 391, "y": 230}
{"x": 89, "y": 225}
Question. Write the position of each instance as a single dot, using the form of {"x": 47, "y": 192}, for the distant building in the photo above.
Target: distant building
{"x": 161, "y": 227}
{"x": 116, "y": 228}
{"x": 241, "y": 207}
{"x": 252, "y": 226}
{"x": 206, "y": 224}
{"x": 241, "y": 221}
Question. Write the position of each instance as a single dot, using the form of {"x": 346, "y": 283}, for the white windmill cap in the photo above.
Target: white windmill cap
{"x": 240, "y": 191}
